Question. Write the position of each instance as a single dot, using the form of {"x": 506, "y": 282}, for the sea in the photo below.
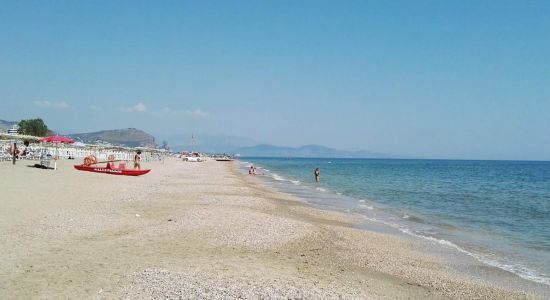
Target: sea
{"x": 496, "y": 212}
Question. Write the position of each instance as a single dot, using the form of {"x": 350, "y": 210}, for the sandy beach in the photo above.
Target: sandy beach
{"x": 201, "y": 230}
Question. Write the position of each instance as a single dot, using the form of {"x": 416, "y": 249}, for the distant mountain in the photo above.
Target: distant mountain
{"x": 249, "y": 147}
{"x": 208, "y": 143}
{"x": 304, "y": 151}
{"x": 128, "y": 137}
{"x": 5, "y": 125}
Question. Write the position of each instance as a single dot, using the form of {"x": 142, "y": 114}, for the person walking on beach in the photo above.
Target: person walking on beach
{"x": 317, "y": 174}
{"x": 137, "y": 160}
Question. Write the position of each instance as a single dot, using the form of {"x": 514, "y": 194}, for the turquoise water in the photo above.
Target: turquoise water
{"x": 495, "y": 211}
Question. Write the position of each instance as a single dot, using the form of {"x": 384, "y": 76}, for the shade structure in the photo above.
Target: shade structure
{"x": 57, "y": 139}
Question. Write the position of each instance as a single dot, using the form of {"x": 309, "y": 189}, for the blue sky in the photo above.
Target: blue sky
{"x": 430, "y": 79}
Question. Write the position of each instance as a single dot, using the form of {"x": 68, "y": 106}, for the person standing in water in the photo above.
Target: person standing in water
{"x": 317, "y": 174}
{"x": 137, "y": 160}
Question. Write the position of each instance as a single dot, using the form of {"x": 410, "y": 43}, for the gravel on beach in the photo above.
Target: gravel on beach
{"x": 202, "y": 231}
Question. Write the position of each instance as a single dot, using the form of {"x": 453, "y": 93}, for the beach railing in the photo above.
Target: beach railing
{"x": 63, "y": 151}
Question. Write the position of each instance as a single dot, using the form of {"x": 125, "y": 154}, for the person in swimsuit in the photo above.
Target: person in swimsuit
{"x": 317, "y": 174}
{"x": 137, "y": 160}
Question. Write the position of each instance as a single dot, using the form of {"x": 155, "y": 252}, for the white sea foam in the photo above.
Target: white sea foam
{"x": 296, "y": 182}
{"x": 376, "y": 220}
{"x": 320, "y": 189}
{"x": 487, "y": 259}
{"x": 362, "y": 200}
{"x": 366, "y": 206}
{"x": 517, "y": 269}
{"x": 278, "y": 177}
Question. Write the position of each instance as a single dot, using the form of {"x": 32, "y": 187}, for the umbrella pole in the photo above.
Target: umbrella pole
{"x": 56, "y": 156}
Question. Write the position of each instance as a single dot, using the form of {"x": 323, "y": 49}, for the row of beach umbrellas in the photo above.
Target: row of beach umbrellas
{"x": 57, "y": 139}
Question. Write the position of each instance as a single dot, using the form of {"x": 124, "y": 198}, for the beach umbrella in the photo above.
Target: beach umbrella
{"x": 57, "y": 139}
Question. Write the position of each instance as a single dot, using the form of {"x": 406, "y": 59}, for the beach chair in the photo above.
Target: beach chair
{"x": 45, "y": 159}
{"x": 5, "y": 157}
{"x": 32, "y": 155}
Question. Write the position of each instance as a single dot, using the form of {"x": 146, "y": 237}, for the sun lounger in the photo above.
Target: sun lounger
{"x": 45, "y": 159}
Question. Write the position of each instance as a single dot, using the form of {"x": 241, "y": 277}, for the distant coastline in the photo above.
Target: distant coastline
{"x": 396, "y": 158}
{"x": 307, "y": 151}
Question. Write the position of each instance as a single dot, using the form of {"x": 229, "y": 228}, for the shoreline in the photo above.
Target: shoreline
{"x": 386, "y": 219}
{"x": 201, "y": 230}
{"x": 465, "y": 264}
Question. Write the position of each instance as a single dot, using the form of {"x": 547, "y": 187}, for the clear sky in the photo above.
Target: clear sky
{"x": 429, "y": 79}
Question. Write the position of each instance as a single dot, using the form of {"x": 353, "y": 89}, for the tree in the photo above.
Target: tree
{"x": 165, "y": 145}
{"x": 34, "y": 127}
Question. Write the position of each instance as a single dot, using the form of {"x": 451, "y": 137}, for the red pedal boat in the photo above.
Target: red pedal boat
{"x": 111, "y": 170}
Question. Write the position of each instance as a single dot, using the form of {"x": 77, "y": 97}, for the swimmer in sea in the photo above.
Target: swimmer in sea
{"x": 317, "y": 174}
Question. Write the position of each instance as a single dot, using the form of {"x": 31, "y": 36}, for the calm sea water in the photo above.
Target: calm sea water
{"x": 496, "y": 211}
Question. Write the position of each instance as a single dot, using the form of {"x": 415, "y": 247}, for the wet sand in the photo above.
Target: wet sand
{"x": 200, "y": 230}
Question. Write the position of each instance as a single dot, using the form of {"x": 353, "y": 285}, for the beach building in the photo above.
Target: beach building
{"x": 14, "y": 129}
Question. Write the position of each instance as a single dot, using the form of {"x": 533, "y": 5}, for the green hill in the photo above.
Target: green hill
{"x": 128, "y": 137}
